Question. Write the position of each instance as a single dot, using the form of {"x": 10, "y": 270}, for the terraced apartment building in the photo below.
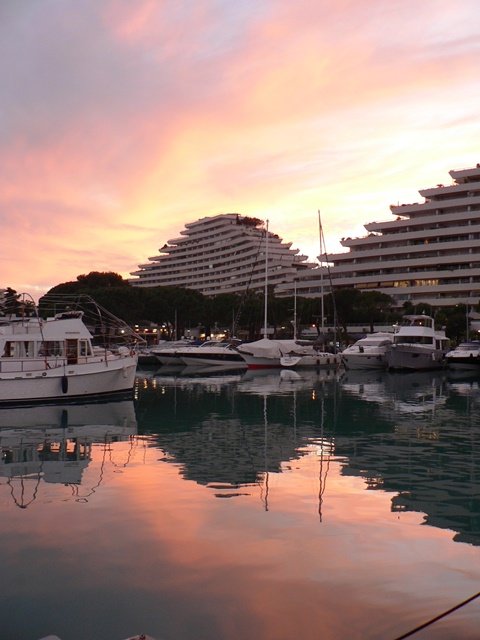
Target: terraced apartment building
{"x": 226, "y": 253}
{"x": 430, "y": 251}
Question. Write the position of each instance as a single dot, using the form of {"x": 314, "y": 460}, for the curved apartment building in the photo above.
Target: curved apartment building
{"x": 221, "y": 254}
{"x": 429, "y": 253}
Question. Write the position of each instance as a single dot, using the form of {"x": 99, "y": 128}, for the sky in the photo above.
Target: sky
{"x": 123, "y": 120}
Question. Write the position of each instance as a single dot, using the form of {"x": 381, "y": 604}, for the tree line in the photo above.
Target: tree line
{"x": 179, "y": 309}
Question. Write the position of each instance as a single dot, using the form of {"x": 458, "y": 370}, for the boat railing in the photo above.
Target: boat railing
{"x": 29, "y": 365}
{"x": 39, "y": 364}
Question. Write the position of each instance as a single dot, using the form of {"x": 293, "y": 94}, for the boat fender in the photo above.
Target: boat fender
{"x": 125, "y": 372}
{"x": 64, "y": 384}
{"x": 44, "y": 373}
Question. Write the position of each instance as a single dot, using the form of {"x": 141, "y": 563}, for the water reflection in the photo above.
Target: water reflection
{"x": 413, "y": 435}
{"x": 53, "y": 445}
{"x": 429, "y": 455}
{"x": 255, "y": 505}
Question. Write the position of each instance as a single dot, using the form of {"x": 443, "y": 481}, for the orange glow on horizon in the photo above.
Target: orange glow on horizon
{"x": 165, "y": 115}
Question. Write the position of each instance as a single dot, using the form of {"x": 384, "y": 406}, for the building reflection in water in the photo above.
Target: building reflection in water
{"x": 415, "y": 435}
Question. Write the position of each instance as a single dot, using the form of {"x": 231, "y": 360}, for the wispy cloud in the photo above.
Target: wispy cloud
{"x": 121, "y": 121}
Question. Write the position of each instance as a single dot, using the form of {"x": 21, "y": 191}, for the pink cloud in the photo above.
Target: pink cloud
{"x": 126, "y": 121}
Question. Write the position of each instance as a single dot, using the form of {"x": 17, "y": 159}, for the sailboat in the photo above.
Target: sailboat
{"x": 270, "y": 353}
{"x": 319, "y": 357}
{"x": 310, "y": 356}
{"x": 264, "y": 353}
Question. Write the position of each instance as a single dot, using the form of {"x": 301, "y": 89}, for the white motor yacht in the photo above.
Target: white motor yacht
{"x": 465, "y": 356}
{"x": 417, "y": 345}
{"x": 213, "y": 353}
{"x": 167, "y": 353}
{"x": 370, "y": 352}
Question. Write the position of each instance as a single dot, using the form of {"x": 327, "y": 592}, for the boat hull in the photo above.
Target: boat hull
{"x": 465, "y": 363}
{"x": 314, "y": 360}
{"x": 261, "y": 362}
{"x": 68, "y": 383}
{"x": 414, "y": 358}
{"x": 172, "y": 358}
{"x": 220, "y": 360}
{"x": 364, "y": 361}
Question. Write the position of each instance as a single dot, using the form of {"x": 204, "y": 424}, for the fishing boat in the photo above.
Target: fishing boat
{"x": 60, "y": 358}
{"x": 465, "y": 356}
{"x": 417, "y": 345}
{"x": 370, "y": 352}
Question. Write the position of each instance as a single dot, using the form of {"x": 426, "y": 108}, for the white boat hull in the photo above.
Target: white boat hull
{"x": 69, "y": 382}
{"x": 261, "y": 362}
{"x": 219, "y": 361}
{"x": 317, "y": 360}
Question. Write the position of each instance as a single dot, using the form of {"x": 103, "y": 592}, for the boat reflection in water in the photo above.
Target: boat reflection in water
{"x": 53, "y": 444}
{"x": 269, "y": 504}
{"x": 427, "y": 451}
{"x": 402, "y": 432}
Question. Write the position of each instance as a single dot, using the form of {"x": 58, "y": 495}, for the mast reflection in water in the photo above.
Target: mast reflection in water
{"x": 266, "y": 504}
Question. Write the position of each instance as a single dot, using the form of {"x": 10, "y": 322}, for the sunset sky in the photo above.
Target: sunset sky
{"x": 122, "y": 120}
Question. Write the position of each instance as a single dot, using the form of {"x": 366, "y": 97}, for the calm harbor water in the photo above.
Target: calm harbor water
{"x": 245, "y": 506}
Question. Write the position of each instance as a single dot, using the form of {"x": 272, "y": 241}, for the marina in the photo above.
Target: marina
{"x": 241, "y": 504}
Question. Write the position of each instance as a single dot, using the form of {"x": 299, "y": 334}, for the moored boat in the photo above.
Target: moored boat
{"x": 271, "y": 354}
{"x": 370, "y": 352}
{"x": 58, "y": 358}
{"x": 417, "y": 345}
{"x": 213, "y": 353}
{"x": 465, "y": 356}
{"x": 168, "y": 353}
{"x": 316, "y": 359}
{"x": 146, "y": 355}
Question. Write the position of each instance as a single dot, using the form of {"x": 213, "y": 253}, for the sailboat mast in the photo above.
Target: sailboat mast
{"x": 320, "y": 235}
{"x": 266, "y": 282}
{"x": 294, "y": 308}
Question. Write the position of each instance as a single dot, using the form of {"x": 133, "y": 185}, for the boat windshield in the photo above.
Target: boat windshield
{"x": 369, "y": 342}
{"x": 468, "y": 346}
{"x": 414, "y": 340}
{"x": 417, "y": 321}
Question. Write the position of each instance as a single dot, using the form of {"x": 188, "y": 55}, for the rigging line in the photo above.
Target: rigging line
{"x": 133, "y": 445}
{"x": 246, "y": 291}
{"x": 94, "y": 488}
{"x": 436, "y": 618}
